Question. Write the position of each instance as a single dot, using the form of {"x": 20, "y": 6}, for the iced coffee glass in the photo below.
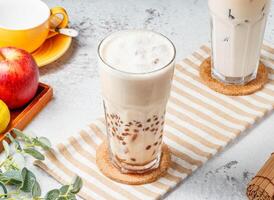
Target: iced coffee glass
{"x": 136, "y": 69}
{"x": 237, "y": 31}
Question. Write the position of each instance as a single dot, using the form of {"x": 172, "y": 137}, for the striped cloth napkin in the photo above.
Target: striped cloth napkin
{"x": 199, "y": 123}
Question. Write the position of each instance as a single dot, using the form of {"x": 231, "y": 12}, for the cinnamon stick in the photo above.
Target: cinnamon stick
{"x": 261, "y": 187}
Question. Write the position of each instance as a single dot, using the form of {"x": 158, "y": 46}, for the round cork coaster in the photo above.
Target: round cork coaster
{"x": 108, "y": 169}
{"x": 233, "y": 90}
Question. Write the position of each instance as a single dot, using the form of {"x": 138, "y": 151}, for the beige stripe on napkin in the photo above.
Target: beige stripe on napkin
{"x": 199, "y": 123}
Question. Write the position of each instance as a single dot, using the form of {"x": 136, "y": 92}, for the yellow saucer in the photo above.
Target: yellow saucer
{"x": 52, "y": 49}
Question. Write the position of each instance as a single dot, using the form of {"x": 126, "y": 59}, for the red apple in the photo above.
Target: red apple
{"x": 18, "y": 77}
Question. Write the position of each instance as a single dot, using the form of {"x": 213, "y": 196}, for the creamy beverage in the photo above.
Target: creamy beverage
{"x": 238, "y": 28}
{"x": 136, "y": 70}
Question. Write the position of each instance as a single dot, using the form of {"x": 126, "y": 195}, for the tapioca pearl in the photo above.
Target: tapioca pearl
{"x": 136, "y": 131}
{"x": 124, "y": 143}
{"x": 151, "y": 125}
{"x": 119, "y": 137}
{"x": 125, "y": 134}
{"x": 155, "y": 143}
{"x": 148, "y": 120}
{"x": 133, "y": 159}
{"x": 157, "y": 123}
{"x": 148, "y": 147}
{"x": 136, "y": 122}
{"x": 134, "y": 137}
{"x": 147, "y": 128}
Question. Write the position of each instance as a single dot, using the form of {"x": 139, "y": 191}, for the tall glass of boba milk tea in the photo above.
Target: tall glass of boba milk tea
{"x": 136, "y": 70}
{"x": 237, "y": 31}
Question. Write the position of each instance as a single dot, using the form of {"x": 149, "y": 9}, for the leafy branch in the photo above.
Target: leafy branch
{"x": 17, "y": 182}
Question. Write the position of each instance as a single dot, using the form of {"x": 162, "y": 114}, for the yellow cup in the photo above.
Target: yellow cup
{"x": 26, "y": 24}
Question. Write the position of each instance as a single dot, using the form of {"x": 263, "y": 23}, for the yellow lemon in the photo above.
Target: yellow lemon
{"x": 4, "y": 116}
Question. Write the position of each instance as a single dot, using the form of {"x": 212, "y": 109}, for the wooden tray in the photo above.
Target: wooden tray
{"x": 20, "y": 118}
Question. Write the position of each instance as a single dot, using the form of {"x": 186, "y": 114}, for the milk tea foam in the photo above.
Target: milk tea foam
{"x": 137, "y": 51}
{"x": 136, "y": 69}
{"x": 237, "y": 33}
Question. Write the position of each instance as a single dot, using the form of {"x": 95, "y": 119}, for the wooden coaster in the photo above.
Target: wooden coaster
{"x": 233, "y": 90}
{"x": 108, "y": 169}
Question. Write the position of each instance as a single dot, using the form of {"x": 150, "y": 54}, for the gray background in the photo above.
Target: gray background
{"x": 77, "y": 100}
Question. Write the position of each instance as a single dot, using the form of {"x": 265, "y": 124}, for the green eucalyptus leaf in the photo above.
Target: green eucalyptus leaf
{"x": 63, "y": 198}
{"x": 52, "y": 195}
{"x": 72, "y": 197}
{"x": 6, "y": 147}
{"x": 28, "y": 180}
{"x": 34, "y": 153}
{"x": 13, "y": 174}
{"x": 77, "y": 185}
{"x": 45, "y": 141}
{"x": 64, "y": 189}
{"x": 3, "y": 189}
{"x": 42, "y": 142}
{"x": 11, "y": 177}
{"x": 36, "y": 190}
{"x": 15, "y": 142}
{"x": 24, "y": 179}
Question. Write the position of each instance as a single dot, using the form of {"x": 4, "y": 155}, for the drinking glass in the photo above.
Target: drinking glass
{"x": 237, "y": 30}
{"x": 134, "y": 105}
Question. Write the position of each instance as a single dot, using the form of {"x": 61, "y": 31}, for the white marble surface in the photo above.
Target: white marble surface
{"x": 77, "y": 100}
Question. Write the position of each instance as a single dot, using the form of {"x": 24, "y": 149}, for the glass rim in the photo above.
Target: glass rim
{"x": 136, "y": 73}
